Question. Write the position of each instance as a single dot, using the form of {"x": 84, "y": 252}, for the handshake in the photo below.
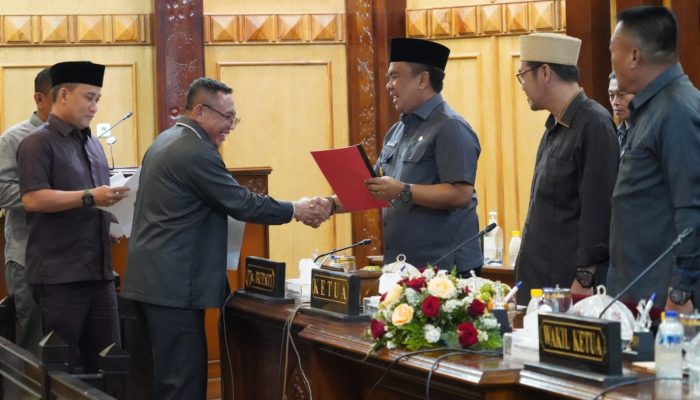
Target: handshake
{"x": 314, "y": 211}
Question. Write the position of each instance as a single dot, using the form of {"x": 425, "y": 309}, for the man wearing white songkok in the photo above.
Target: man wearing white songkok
{"x": 565, "y": 238}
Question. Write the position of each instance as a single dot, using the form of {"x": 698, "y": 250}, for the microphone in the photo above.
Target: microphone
{"x": 653, "y": 264}
{"x": 363, "y": 242}
{"x": 111, "y": 141}
{"x": 466, "y": 242}
{"x": 122, "y": 119}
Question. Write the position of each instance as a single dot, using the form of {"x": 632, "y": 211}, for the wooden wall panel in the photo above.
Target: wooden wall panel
{"x": 291, "y": 103}
{"x": 127, "y": 87}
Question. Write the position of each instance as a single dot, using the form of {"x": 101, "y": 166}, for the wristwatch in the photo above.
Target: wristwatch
{"x": 679, "y": 296}
{"x": 405, "y": 195}
{"x": 585, "y": 278}
{"x": 88, "y": 200}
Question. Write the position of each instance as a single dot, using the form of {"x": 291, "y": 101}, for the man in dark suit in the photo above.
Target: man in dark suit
{"x": 176, "y": 266}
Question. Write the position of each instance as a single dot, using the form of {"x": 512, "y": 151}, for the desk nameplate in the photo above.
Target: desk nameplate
{"x": 340, "y": 293}
{"x": 586, "y": 344}
{"x": 264, "y": 279}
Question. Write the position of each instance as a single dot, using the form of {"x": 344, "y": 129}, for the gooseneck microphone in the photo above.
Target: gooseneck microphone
{"x": 653, "y": 264}
{"x": 122, "y": 119}
{"x": 363, "y": 242}
{"x": 486, "y": 230}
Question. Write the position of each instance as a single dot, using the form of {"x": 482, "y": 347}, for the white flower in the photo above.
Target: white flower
{"x": 412, "y": 297}
{"x": 389, "y": 335}
{"x": 482, "y": 336}
{"x": 451, "y": 305}
{"x": 489, "y": 322}
{"x": 461, "y": 284}
{"x": 431, "y": 333}
{"x": 387, "y": 313}
{"x": 390, "y": 345}
{"x": 441, "y": 286}
{"x": 429, "y": 273}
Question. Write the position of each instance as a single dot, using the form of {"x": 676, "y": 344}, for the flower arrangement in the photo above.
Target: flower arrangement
{"x": 436, "y": 309}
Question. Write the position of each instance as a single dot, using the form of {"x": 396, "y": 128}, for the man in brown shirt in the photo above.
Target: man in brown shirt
{"x": 63, "y": 175}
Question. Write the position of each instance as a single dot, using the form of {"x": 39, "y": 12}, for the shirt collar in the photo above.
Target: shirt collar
{"x": 35, "y": 120}
{"x": 192, "y": 124}
{"x": 568, "y": 115}
{"x": 660, "y": 82}
{"x": 65, "y": 128}
{"x": 423, "y": 111}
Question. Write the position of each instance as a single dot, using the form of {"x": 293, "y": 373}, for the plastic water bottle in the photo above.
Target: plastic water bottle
{"x": 514, "y": 248}
{"x": 668, "y": 349}
{"x": 535, "y": 301}
{"x": 493, "y": 243}
{"x": 693, "y": 357}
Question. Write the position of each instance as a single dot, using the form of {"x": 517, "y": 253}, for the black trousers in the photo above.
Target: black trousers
{"x": 84, "y": 314}
{"x": 178, "y": 347}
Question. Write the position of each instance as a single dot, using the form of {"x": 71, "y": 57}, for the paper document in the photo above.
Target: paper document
{"x": 346, "y": 170}
{"x": 235, "y": 240}
{"x": 123, "y": 210}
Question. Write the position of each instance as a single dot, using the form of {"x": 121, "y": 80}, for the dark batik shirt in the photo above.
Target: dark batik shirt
{"x": 568, "y": 220}
{"x": 72, "y": 245}
{"x": 431, "y": 145}
{"x": 657, "y": 194}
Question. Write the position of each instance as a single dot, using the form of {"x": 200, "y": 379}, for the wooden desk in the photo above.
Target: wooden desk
{"x": 332, "y": 355}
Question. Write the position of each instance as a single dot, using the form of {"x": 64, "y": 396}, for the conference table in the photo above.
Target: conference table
{"x": 331, "y": 361}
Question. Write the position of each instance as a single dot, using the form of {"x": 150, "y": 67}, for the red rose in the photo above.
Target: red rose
{"x": 476, "y": 308}
{"x": 431, "y": 307}
{"x": 382, "y": 297}
{"x": 416, "y": 284}
{"x": 467, "y": 334}
{"x": 377, "y": 329}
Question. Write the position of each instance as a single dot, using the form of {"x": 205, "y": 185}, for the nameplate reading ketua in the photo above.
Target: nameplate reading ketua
{"x": 340, "y": 293}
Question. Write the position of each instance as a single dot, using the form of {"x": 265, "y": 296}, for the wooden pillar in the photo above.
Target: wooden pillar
{"x": 179, "y": 43}
{"x": 589, "y": 20}
{"x": 370, "y": 26}
{"x": 688, "y": 15}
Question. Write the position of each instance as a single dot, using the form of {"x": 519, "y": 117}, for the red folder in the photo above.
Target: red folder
{"x": 346, "y": 170}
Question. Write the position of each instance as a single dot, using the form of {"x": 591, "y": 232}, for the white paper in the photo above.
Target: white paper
{"x": 235, "y": 240}
{"x": 123, "y": 210}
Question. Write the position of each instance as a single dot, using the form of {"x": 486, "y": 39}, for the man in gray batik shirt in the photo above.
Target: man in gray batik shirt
{"x": 28, "y": 318}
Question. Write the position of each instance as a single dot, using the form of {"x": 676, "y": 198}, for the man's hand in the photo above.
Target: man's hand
{"x": 385, "y": 187}
{"x": 106, "y": 196}
{"x": 312, "y": 212}
{"x": 686, "y": 308}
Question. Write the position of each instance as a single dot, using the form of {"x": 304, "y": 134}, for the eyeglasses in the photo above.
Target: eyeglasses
{"x": 233, "y": 120}
{"x": 521, "y": 75}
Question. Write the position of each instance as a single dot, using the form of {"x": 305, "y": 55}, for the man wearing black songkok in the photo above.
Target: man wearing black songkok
{"x": 427, "y": 167}
{"x": 63, "y": 176}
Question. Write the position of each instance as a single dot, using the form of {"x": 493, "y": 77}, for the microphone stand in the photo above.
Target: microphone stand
{"x": 362, "y": 242}
{"x": 670, "y": 248}
{"x": 111, "y": 142}
{"x": 466, "y": 242}
{"x": 122, "y": 119}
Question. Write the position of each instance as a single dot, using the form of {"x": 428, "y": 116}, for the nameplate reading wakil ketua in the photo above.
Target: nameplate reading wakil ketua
{"x": 582, "y": 343}
{"x": 264, "y": 277}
